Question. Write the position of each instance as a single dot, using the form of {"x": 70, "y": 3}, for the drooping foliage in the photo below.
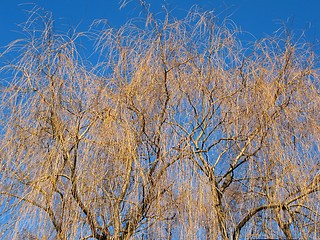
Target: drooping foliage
{"x": 178, "y": 132}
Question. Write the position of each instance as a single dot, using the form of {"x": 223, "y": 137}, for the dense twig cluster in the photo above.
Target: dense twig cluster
{"x": 176, "y": 133}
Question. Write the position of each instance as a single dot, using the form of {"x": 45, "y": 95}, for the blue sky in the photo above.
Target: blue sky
{"x": 258, "y": 17}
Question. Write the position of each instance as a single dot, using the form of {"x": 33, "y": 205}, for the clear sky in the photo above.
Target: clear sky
{"x": 259, "y": 17}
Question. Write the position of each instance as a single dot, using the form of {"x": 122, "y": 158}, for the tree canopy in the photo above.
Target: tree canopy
{"x": 178, "y": 131}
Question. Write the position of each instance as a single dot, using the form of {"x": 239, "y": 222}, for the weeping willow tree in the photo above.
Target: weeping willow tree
{"x": 177, "y": 132}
